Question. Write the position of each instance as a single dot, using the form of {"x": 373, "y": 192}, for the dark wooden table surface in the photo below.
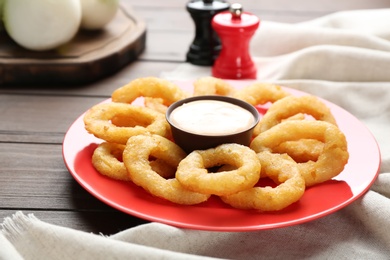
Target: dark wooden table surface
{"x": 34, "y": 119}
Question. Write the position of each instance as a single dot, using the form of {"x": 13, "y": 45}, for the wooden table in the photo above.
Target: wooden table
{"x": 34, "y": 119}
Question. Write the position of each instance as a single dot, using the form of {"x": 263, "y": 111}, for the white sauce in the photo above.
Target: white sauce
{"x": 211, "y": 117}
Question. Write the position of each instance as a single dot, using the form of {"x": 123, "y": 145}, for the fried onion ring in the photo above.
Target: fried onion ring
{"x": 261, "y": 93}
{"x": 149, "y": 87}
{"x": 212, "y": 86}
{"x": 290, "y": 186}
{"x": 330, "y": 162}
{"x": 193, "y": 174}
{"x": 107, "y": 160}
{"x": 302, "y": 150}
{"x": 156, "y": 104}
{"x": 100, "y": 119}
{"x": 162, "y": 168}
{"x": 291, "y": 106}
{"x": 136, "y": 159}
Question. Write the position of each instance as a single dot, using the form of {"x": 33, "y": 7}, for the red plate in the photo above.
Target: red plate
{"x": 318, "y": 201}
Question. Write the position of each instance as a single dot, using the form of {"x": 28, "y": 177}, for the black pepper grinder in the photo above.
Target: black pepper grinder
{"x": 206, "y": 46}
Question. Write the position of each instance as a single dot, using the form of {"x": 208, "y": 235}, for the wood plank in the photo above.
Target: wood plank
{"x": 39, "y": 179}
{"x": 39, "y": 182}
{"x": 102, "y": 88}
{"x": 30, "y": 137}
{"x": 41, "y": 114}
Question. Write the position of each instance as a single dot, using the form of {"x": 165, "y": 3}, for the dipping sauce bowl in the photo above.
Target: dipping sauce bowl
{"x": 203, "y": 122}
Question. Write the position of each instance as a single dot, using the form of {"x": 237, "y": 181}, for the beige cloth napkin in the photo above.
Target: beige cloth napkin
{"x": 344, "y": 58}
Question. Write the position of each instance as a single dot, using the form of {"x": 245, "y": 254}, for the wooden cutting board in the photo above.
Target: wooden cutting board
{"x": 90, "y": 56}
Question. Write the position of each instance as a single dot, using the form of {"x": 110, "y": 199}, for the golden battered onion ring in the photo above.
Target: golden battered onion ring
{"x": 193, "y": 174}
{"x": 261, "y": 93}
{"x": 291, "y": 106}
{"x": 330, "y": 162}
{"x": 156, "y": 104}
{"x": 136, "y": 159}
{"x": 299, "y": 116}
{"x": 302, "y": 150}
{"x": 162, "y": 168}
{"x": 107, "y": 160}
{"x": 290, "y": 188}
{"x": 212, "y": 86}
{"x": 149, "y": 87}
{"x": 99, "y": 121}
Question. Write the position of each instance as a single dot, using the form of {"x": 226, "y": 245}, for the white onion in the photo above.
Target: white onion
{"x": 97, "y": 13}
{"x": 42, "y": 24}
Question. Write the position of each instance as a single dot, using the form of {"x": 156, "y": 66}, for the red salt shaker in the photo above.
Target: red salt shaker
{"x": 235, "y": 29}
